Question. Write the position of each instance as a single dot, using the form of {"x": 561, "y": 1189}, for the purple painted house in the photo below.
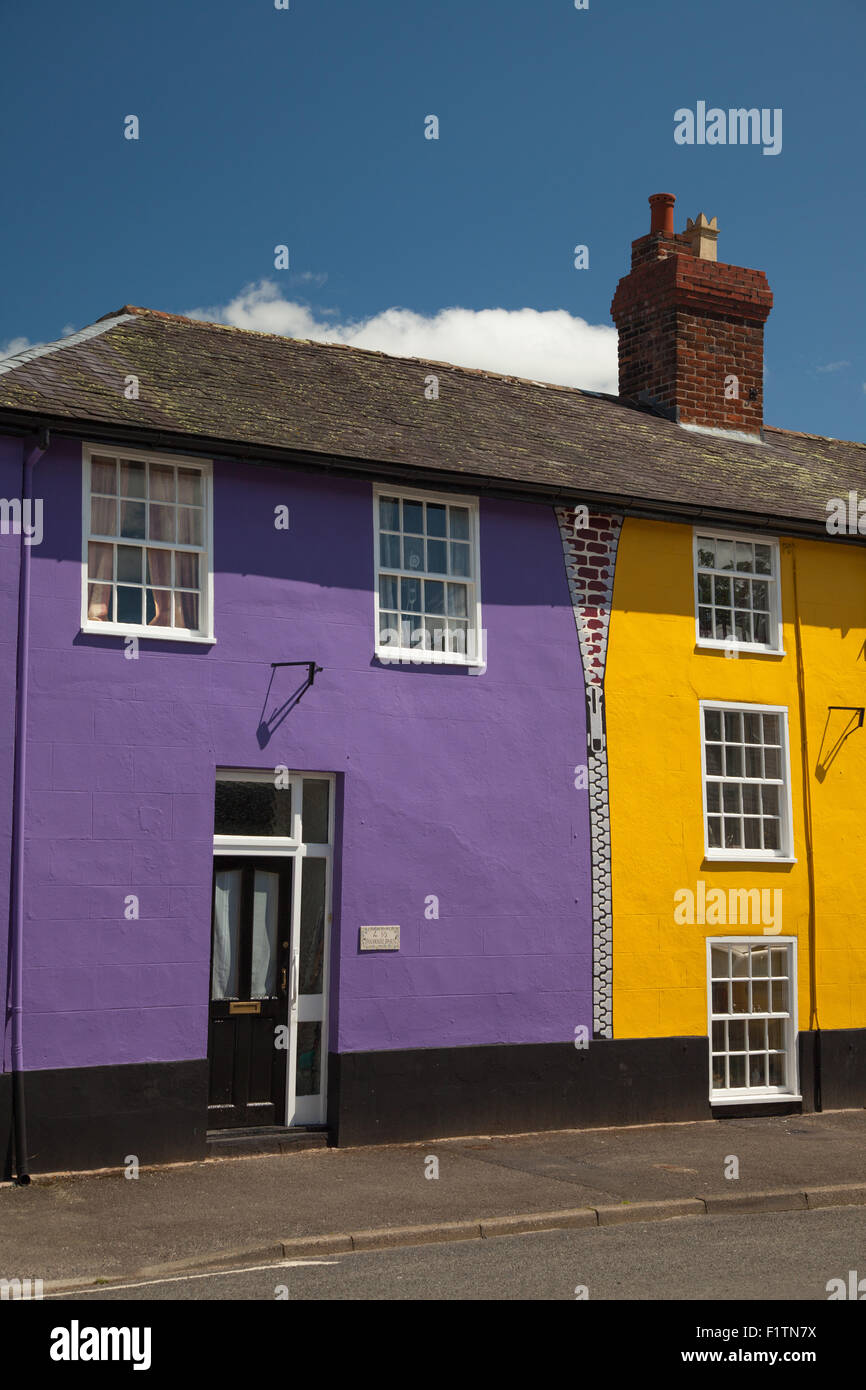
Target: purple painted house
{"x": 295, "y": 838}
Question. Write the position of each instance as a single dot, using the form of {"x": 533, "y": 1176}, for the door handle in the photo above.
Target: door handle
{"x": 294, "y": 981}
{"x": 283, "y": 981}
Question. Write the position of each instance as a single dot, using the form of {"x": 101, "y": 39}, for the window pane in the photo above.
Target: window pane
{"x": 314, "y": 816}
{"x": 724, "y": 555}
{"x": 437, "y": 557}
{"x": 389, "y": 629}
{"x": 758, "y": 1069}
{"x": 737, "y": 1071}
{"x": 754, "y": 762}
{"x": 410, "y": 591}
{"x": 713, "y": 800}
{"x": 705, "y": 621}
{"x": 737, "y": 1035}
{"x": 714, "y": 759}
{"x": 457, "y": 604}
{"x": 161, "y": 523}
{"x": 263, "y": 977}
{"x": 103, "y": 516}
{"x": 743, "y": 626}
{"x": 733, "y": 727}
{"x": 312, "y": 926}
{"x": 252, "y": 808}
{"x": 724, "y": 624}
{"x": 776, "y": 1033}
{"x": 189, "y": 486}
{"x": 162, "y": 485}
{"x": 772, "y": 762}
{"x": 413, "y": 517}
{"x": 771, "y": 834}
{"x": 720, "y": 998}
{"x": 718, "y": 1037}
{"x": 103, "y": 475}
{"x": 718, "y": 1073}
{"x": 226, "y": 933}
{"x": 760, "y": 997}
{"x": 705, "y": 589}
{"x": 389, "y": 513}
{"x": 129, "y": 605}
{"x": 780, "y": 997}
{"x": 309, "y": 1066}
{"x": 133, "y": 479}
{"x": 434, "y": 596}
{"x": 99, "y": 560}
{"x": 413, "y": 553}
{"x": 778, "y": 1068}
{"x": 733, "y": 833}
{"x": 190, "y": 526}
{"x": 460, "y": 560}
{"x": 185, "y": 569}
{"x": 722, "y": 591}
{"x": 733, "y": 760}
{"x": 760, "y": 962}
{"x": 762, "y": 628}
{"x": 742, "y": 593}
{"x": 158, "y": 608}
{"x": 751, "y": 799}
{"x": 731, "y": 797}
{"x": 757, "y": 1034}
{"x": 388, "y": 591}
{"x": 389, "y": 552}
{"x": 771, "y": 728}
{"x": 186, "y": 611}
{"x": 719, "y": 961}
{"x": 744, "y": 555}
{"x": 436, "y": 514}
{"x": 763, "y": 559}
{"x": 437, "y": 634}
{"x": 129, "y": 560}
{"x": 770, "y": 800}
{"x": 740, "y": 997}
{"x": 132, "y": 520}
{"x": 459, "y": 523}
{"x": 752, "y": 728}
{"x": 713, "y": 724}
{"x": 714, "y": 832}
{"x": 706, "y": 552}
{"x": 100, "y": 598}
{"x": 752, "y": 833}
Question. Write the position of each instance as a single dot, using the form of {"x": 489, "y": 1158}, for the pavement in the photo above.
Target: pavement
{"x": 89, "y": 1229}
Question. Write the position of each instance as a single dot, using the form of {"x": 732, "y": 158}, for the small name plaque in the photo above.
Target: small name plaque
{"x": 380, "y": 938}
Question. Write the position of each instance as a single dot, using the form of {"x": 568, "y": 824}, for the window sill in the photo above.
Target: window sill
{"x": 721, "y": 856}
{"x": 751, "y": 1098}
{"x": 706, "y": 645}
{"x": 148, "y": 634}
{"x": 417, "y": 656}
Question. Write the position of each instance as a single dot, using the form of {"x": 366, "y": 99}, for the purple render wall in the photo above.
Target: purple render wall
{"x": 11, "y": 464}
{"x": 455, "y": 785}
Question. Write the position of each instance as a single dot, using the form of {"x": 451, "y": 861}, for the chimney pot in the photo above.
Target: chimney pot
{"x": 662, "y": 219}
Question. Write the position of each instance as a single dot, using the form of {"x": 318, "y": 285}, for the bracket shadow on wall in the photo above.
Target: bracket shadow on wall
{"x": 825, "y": 759}
{"x": 268, "y": 726}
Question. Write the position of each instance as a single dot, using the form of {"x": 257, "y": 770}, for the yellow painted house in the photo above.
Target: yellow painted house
{"x": 698, "y": 725}
{"x": 734, "y": 693}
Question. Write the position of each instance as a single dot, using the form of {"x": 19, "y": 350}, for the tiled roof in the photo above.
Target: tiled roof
{"x": 256, "y": 390}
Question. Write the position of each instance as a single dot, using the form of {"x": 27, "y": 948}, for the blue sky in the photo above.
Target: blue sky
{"x": 305, "y": 127}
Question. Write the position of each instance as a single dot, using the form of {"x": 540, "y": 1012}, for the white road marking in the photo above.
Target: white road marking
{"x": 184, "y": 1278}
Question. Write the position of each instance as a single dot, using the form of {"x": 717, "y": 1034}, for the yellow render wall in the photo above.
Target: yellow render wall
{"x": 655, "y": 678}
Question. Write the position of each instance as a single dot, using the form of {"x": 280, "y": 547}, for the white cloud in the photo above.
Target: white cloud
{"x": 833, "y": 367}
{"x": 68, "y": 328}
{"x": 544, "y": 345}
{"x": 9, "y": 349}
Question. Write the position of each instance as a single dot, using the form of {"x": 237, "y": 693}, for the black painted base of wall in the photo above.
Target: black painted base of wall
{"x": 441, "y": 1093}
{"x": 94, "y": 1117}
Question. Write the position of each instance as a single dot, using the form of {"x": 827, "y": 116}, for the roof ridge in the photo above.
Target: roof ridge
{"x": 93, "y": 330}
{"x": 130, "y": 310}
{"x": 822, "y": 438}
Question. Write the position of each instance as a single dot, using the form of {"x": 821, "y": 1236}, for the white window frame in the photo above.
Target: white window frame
{"x": 785, "y": 853}
{"x": 758, "y": 1095}
{"x": 422, "y": 656}
{"x": 774, "y": 581}
{"x": 205, "y": 633}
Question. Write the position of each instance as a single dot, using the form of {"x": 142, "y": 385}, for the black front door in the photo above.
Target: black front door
{"x": 250, "y": 936}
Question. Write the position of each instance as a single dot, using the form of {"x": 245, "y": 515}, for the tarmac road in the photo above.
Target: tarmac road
{"x": 782, "y": 1255}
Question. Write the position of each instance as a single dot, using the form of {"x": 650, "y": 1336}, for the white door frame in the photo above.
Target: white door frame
{"x": 310, "y": 1008}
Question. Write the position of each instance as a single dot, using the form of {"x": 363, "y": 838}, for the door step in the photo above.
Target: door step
{"x": 232, "y": 1143}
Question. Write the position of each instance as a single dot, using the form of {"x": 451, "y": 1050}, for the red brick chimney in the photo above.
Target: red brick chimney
{"x": 691, "y": 329}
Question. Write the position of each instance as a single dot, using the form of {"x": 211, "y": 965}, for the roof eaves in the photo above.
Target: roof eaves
{"x": 93, "y": 330}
